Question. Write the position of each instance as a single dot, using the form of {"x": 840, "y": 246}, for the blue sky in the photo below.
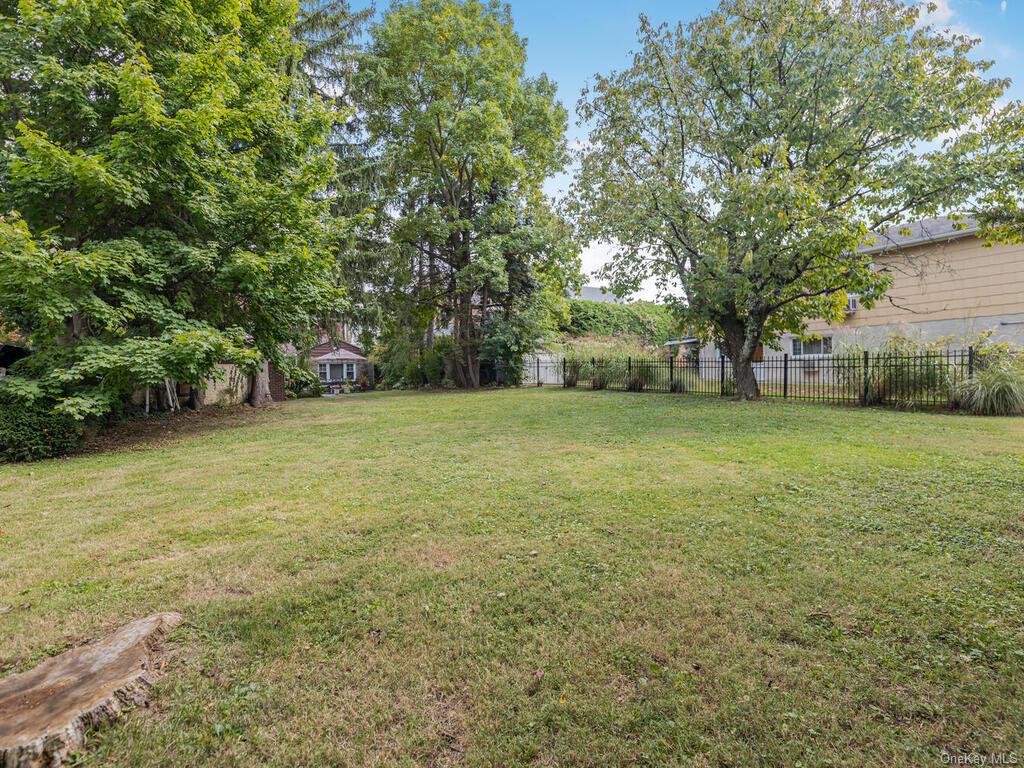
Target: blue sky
{"x": 570, "y": 40}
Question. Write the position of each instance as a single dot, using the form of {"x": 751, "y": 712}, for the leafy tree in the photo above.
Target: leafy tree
{"x": 741, "y": 160}
{"x": 326, "y": 62}
{"x": 465, "y": 140}
{"x": 328, "y": 66}
{"x": 160, "y": 190}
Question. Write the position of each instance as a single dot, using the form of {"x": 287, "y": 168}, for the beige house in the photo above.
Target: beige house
{"x": 946, "y": 284}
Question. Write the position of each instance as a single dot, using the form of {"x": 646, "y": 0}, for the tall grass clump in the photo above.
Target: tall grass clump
{"x": 994, "y": 390}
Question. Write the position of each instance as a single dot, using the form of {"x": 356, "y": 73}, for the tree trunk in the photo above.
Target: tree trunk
{"x": 467, "y": 362}
{"x": 162, "y": 403}
{"x": 431, "y": 272}
{"x": 746, "y": 382}
{"x": 196, "y": 398}
{"x": 259, "y": 394}
{"x": 741, "y": 353}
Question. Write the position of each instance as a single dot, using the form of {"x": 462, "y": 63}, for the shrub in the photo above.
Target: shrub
{"x": 303, "y": 382}
{"x": 641, "y": 375}
{"x": 403, "y": 365}
{"x": 994, "y": 390}
{"x": 432, "y": 365}
{"x": 29, "y": 432}
{"x": 573, "y": 368}
{"x": 902, "y": 372}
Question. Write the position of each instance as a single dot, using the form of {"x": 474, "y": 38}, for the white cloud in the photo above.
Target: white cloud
{"x": 941, "y": 15}
{"x": 935, "y": 12}
{"x": 1002, "y": 6}
{"x": 596, "y": 255}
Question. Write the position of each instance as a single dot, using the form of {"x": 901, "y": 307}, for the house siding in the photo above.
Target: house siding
{"x": 958, "y": 288}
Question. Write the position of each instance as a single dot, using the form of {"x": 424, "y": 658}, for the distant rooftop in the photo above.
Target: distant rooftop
{"x": 939, "y": 229}
{"x": 342, "y": 352}
{"x": 597, "y": 293}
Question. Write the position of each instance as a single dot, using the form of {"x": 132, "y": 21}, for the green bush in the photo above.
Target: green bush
{"x": 403, "y": 365}
{"x": 304, "y": 382}
{"x": 432, "y": 365}
{"x": 652, "y": 323}
{"x": 32, "y": 432}
{"x": 994, "y": 390}
{"x": 641, "y": 375}
{"x": 610, "y": 374}
{"x": 902, "y": 372}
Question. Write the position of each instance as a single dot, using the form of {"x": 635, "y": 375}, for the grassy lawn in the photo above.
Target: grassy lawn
{"x": 542, "y": 577}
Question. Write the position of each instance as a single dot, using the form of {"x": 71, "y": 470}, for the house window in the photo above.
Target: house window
{"x": 337, "y": 371}
{"x": 820, "y": 346}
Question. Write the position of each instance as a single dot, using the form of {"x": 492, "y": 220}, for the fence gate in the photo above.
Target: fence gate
{"x": 544, "y": 368}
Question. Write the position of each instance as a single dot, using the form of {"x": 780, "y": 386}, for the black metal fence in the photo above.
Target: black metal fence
{"x": 926, "y": 380}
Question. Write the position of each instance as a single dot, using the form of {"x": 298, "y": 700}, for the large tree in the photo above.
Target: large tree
{"x": 160, "y": 194}
{"x": 465, "y": 141}
{"x": 742, "y": 159}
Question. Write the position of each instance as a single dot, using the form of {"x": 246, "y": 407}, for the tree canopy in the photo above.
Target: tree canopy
{"x": 465, "y": 140}
{"x": 741, "y": 160}
{"x": 161, "y": 193}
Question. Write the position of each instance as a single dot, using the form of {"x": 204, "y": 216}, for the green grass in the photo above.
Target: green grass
{"x": 378, "y": 580}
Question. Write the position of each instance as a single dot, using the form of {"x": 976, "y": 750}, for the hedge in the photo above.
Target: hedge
{"x": 653, "y": 323}
{"x": 32, "y": 432}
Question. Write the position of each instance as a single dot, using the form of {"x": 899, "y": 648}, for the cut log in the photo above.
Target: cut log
{"x": 45, "y": 712}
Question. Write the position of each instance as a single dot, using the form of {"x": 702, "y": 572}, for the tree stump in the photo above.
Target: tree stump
{"x": 45, "y": 712}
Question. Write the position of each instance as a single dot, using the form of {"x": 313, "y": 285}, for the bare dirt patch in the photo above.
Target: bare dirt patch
{"x": 434, "y": 556}
{"x": 448, "y": 723}
{"x": 162, "y": 428}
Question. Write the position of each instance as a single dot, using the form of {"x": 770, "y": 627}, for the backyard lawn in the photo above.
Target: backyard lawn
{"x": 541, "y": 577}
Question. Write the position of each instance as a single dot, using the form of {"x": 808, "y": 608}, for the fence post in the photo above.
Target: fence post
{"x": 565, "y": 370}
{"x": 721, "y": 378}
{"x": 970, "y": 362}
{"x": 785, "y": 376}
{"x": 538, "y": 370}
{"x": 867, "y": 379}
{"x": 671, "y": 373}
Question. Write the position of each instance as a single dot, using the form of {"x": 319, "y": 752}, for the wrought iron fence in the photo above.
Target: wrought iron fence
{"x": 863, "y": 378}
